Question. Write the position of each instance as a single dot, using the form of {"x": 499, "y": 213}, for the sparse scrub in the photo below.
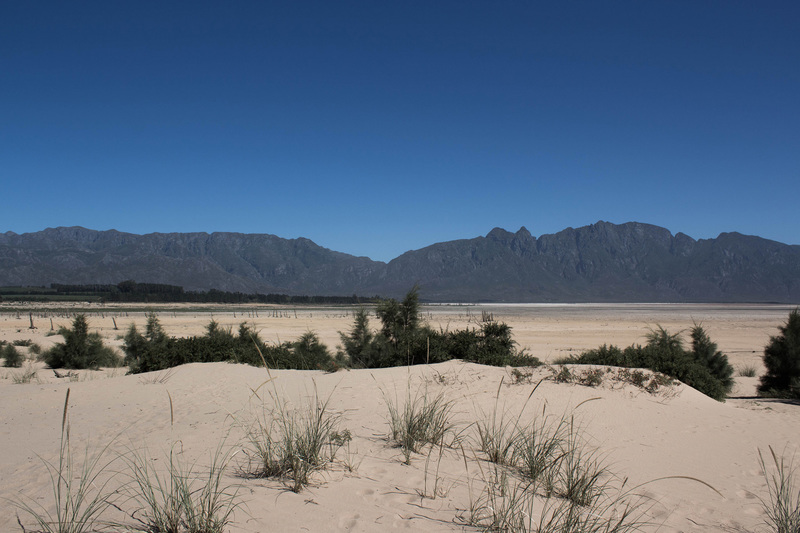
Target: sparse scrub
{"x": 782, "y": 359}
{"x": 156, "y": 351}
{"x": 292, "y": 444}
{"x": 24, "y": 375}
{"x": 80, "y": 348}
{"x": 563, "y": 375}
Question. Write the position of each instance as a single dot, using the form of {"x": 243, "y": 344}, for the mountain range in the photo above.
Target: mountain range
{"x": 602, "y": 262}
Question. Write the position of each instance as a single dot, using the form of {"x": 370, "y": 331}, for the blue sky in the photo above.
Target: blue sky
{"x": 374, "y": 128}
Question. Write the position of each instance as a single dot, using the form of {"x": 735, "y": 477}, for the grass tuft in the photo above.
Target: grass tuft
{"x": 292, "y": 444}
{"x": 185, "y": 498}
{"x": 782, "y": 506}
{"x": 420, "y": 420}
{"x": 748, "y": 371}
{"x": 79, "y": 495}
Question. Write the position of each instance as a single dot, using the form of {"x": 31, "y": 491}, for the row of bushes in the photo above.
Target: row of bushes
{"x": 703, "y": 366}
{"x": 404, "y": 340}
{"x": 154, "y": 350}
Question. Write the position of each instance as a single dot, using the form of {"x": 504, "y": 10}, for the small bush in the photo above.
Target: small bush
{"x": 13, "y": 359}
{"x": 782, "y": 359}
{"x": 707, "y": 353}
{"x": 310, "y": 353}
{"x": 80, "y": 348}
{"x": 22, "y": 342}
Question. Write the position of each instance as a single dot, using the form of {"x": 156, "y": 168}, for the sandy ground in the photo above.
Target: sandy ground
{"x": 641, "y": 436}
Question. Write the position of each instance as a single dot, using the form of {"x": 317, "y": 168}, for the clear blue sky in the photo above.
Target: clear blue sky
{"x": 374, "y": 128}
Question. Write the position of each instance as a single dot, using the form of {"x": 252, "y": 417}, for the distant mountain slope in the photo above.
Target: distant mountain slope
{"x": 602, "y": 262}
{"x": 196, "y": 261}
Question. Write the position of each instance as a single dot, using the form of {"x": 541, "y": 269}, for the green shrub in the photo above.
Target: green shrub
{"x": 404, "y": 339}
{"x": 665, "y": 354}
{"x": 80, "y": 348}
{"x": 707, "y": 353}
{"x": 310, "y": 354}
{"x": 13, "y": 359}
{"x": 156, "y": 351}
{"x": 782, "y": 359}
{"x": 357, "y": 343}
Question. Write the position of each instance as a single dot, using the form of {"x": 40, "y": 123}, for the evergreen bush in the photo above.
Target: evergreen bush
{"x": 663, "y": 353}
{"x": 13, "y": 359}
{"x": 782, "y": 359}
{"x": 80, "y": 348}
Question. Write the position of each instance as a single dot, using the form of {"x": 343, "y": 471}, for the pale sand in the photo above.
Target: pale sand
{"x": 643, "y": 436}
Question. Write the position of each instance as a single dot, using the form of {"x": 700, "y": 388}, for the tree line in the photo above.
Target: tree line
{"x": 129, "y": 291}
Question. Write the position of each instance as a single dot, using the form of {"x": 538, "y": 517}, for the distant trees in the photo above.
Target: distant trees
{"x": 782, "y": 359}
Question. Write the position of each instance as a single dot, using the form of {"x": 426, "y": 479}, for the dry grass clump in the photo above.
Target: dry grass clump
{"x": 25, "y": 375}
{"x": 79, "y": 495}
{"x": 421, "y": 419}
{"x": 782, "y": 505}
{"x": 543, "y": 477}
{"x": 184, "y": 499}
{"x": 291, "y": 444}
{"x": 748, "y": 371}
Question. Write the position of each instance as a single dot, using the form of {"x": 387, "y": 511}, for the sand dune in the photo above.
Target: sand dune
{"x": 641, "y": 436}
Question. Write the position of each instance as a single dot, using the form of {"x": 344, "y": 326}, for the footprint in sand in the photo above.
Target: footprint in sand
{"x": 367, "y": 494}
{"x": 349, "y": 521}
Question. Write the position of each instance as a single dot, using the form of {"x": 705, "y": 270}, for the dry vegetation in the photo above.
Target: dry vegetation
{"x": 482, "y": 449}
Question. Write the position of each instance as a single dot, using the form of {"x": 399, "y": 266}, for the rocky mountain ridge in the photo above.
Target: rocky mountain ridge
{"x": 602, "y": 262}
